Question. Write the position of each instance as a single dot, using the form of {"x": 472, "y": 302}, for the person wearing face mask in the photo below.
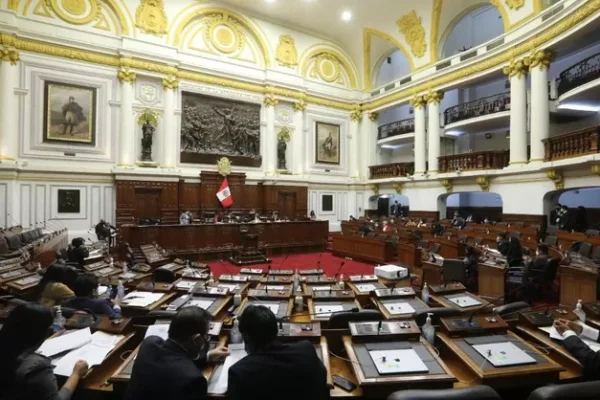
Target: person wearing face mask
{"x": 503, "y": 243}
{"x": 172, "y": 368}
{"x": 271, "y": 368}
{"x": 537, "y": 267}
{"x": 86, "y": 288}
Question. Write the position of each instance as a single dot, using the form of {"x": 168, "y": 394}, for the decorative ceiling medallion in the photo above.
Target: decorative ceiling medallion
{"x": 286, "y": 51}
{"x": 327, "y": 67}
{"x": 515, "y": 4}
{"x": 77, "y": 12}
{"x": 414, "y": 33}
{"x": 150, "y": 17}
{"x": 224, "y": 33}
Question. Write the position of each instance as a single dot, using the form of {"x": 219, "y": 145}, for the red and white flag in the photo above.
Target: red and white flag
{"x": 224, "y": 194}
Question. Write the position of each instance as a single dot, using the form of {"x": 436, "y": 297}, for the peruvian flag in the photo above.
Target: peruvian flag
{"x": 224, "y": 194}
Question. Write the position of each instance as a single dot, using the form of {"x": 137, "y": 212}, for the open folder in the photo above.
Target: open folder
{"x": 94, "y": 352}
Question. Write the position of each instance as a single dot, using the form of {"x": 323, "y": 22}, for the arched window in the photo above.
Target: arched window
{"x": 391, "y": 67}
{"x": 477, "y": 26}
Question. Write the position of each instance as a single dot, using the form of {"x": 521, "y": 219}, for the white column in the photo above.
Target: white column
{"x": 354, "y": 159}
{"x": 298, "y": 152}
{"x": 368, "y": 141}
{"x": 433, "y": 128}
{"x": 9, "y": 78}
{"x": 126, "y": 129}
{"x": 271, "y": 137}
{"x": 169, "y": 138}
{"x": 540, "y": 105}
{"x": 517, "y": 71}
{"x": 418, "y": 104}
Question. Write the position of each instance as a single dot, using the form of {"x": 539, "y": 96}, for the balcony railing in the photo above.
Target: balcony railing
{"x": 579, "y": 74}
{"x": 480, "y": 160}
{"x": 396, "y": 128}
{"x": 391, "y": 170}
{"x": 574, "y": 144}
{"x": 477, "y": 108}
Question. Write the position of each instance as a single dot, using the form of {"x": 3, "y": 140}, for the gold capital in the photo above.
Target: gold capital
{"x": 484, "y": 183}
{"x": 374, "y": 188}
{"x": 397, "y": 187}
{"x": 447, "y": 183}
{"x": 300, "y": 106}
{"x": 434, "y": 97}
{"x": 516, "y": 68}
{"x": 418, "y": 101}
{"x": 355, "y": 116}
{"x": 126, "y": 75}
{"x": 8, "y": 54}
{"x": 373, "y": 116}
{"x": 170, "y": 82}
{"x": 540, "y": 58}
{"x": 557, "y": 178}
{"x": 270, "y": 100}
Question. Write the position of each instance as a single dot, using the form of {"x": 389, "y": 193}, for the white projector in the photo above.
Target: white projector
{"x": 391, "y": 272}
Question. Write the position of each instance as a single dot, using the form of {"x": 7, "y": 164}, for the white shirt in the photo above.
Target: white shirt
{"x": 587, "y": 332}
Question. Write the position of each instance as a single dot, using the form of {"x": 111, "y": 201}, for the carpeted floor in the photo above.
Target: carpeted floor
{"x": 328, "y": 263}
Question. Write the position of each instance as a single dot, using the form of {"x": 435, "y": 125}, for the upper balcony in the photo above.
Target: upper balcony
{"x": 485, "y": 114}
{"x": 396, "y": 132}
{"x": 395, "y": 170}
{"x": 578, "y": 87}
{"x": 475, "y": 161}
{"x": 574, "y": 144}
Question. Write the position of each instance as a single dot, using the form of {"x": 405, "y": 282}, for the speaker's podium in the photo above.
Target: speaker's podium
{"x": 248, "y": 254}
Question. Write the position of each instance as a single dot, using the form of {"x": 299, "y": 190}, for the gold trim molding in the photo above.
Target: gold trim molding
{"x": 397, "y": 187}
{"x": 170, "y": 82}
{"x": 300, "y": 106}
{"x": 514, "y": 4}
{"x": 595, "y": 169}
{"x": 150, "y": 17}
{"x": 373, "y": 116}
{"x": 557, "y": 178}
{"x": 418, "y": 101}
{"x": 126, "y": 75}
{"x": 374, "y": 188}
{"x": 447, "y": 183}
{"x": 484, "y": 183}
{"x": 286, "y": 53}
{"x": 355, "y": 116}
{"x": 516, "y": 68}
{"x": 411, "y": 27}
{"x": 434, "y": 97}
{"x": 540, "y": 58}
{"x": 9, "y": 55}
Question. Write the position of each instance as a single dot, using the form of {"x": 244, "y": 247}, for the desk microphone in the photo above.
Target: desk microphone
{"x": 268, "y": 275}
{"x": 494, "y": 301}
{"x": 338, "y": 271}
{"x": 319, "y": 261}
{"x": 379, "y": 324}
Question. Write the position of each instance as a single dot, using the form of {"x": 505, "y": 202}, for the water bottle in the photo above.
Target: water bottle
{"x": 425, "y": 293}
{"x": 299, "y": 303}
{"x": 296, "y": 281}
{"x": 237, "y": 299}
{"x": 211, "y": 278}
{"x": 429, "y": 330}
{"x": 579, "y": 311}
{"x": 234, "y": 334}
{"x": 120, "y": 291}
{"x": 59, "y": 320}
{"x": 341, "y": 283}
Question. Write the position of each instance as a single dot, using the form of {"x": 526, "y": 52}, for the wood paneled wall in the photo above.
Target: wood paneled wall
{"x": 135, "y": 199}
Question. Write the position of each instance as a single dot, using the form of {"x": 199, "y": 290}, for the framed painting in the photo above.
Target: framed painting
{"x": 327, "y": 140}
{"x": 69, "y": 113}
{"x": 69, "y": 201}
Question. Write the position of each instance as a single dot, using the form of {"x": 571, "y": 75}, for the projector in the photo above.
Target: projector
{"x": 391, "y": 272}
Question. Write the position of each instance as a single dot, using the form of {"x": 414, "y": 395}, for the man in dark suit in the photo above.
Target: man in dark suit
{"x": 272, "y": 370}
{"x": 571, "y": 332}
{"x": 503, "y": 243}
{"x": 172, "y": 368}
{"x": 77, "y": 252}
{"x": 103, "y": 231}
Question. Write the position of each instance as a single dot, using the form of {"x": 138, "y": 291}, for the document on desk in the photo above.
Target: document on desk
{"x": 93, "y": 353}
{"x": 64, "y": 342}
{"x": 218, "y": 381}
{"x": 141, "y": 299}
{"x": 557, "y": 336}
{"x": 160, "y": 330}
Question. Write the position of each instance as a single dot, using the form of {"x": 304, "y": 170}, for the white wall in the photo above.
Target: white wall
{"x": 345, "y": 204}
{"x": 396, "y": 68}
{"x": 400, "y": 154}
{"x": 475, "y": 28}
{"x": 394, "y": 114}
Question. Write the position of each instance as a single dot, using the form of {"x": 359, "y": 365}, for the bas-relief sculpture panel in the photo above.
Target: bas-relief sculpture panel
{"x": 212, "y": 127}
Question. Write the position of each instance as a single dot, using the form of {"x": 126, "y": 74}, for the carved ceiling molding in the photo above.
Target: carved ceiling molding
{"x": 557, "y": 178}
{"x": 414, "y": 33}
{"x": 150, "y": 17}
{"x": 286, "y": 53}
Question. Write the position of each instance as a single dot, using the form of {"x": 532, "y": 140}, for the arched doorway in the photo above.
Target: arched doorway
{"x": 478, "y": 205}
{"x": 586, "y": 197}
{"x": 383, "y": 204}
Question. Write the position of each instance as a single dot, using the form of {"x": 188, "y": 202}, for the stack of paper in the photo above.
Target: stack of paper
{"x": 160, "y": 330}
{"x": 83, "y": 345}
{"x": 557, "y": 336}
{"x": 218, "y": 381}
{"x": 141, "y": 299}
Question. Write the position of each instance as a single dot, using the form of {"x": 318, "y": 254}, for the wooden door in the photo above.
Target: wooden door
{"x": 286, "y": 204}
{"x": 147, "y": 204}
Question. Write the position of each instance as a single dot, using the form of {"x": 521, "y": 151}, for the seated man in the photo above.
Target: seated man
{"x": 103, "y": 231}
{"x": 185, "y": 218}
{"x": 85, "y": 288}
{"x": 172, "y": 368}
{"x": 272, "y": 370}
{"x": 364, "y": 230}
{"x": 77, "y": 252}
{"x": 581, "y": 351}
{"x": 503, "y": 243}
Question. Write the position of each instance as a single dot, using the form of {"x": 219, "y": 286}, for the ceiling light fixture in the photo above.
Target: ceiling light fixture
{"x": 270, "y": 1}
{"x": 346, "y": 16}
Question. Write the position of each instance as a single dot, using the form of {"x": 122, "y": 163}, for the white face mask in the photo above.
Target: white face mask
{"x": 537, "y": 253}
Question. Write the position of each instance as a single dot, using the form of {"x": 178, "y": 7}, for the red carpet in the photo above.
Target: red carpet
{"x": 329, "y": 264}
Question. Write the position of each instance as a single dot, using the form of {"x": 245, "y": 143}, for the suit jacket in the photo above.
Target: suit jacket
{"x": 164, "y": 370}
{"x": 78, "y": 255}
{"x": 281, "y": 371}
{"x": 503, "y": 247}
{"x": 586, "y": 356}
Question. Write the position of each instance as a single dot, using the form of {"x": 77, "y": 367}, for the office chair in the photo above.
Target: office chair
{"x": 592, "y": 232}
{"x": 585, "y": 248}
{"x": 340, "y": 322}
{"x": 454, "y": 270}
{"x": 596, "y": 255}
{"x": 164, "y": 275}
{"x": 480, "y": 392}
{"x": 435, "y": 249}
{"x": 571, "y": 391}
{"x": 550, "y": 240}
{"x": 423, "y": 244}
{"x": 511, "y": 309}
{"x": 437, "y": 313}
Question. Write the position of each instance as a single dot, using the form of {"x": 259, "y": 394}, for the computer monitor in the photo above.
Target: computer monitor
{"x": 208, "y": 216}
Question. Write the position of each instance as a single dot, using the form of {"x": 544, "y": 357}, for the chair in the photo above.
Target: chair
{"x": 592, "y": 232}
{"x": 585, "y": 249}
{"x": 454, "y": 270}
{"x": 550, "y": 240}
{"x": 437, "y": 313}
{"x": 164, "y": 275}
{"x": 596, "y": 255}
{"x": 423, "y": 244}
{"x": 510, "y": 308}
{"x": 435, "y": 249}
{"x": 480, "y": 392}
{"x": 340, "y": 321}
{"x": 571, "y": 391}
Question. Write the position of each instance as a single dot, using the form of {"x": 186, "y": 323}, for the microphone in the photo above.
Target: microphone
{"x": 379, "y": 326}
{"x": 319, "y": 262}
{"x": 493, "y": 302}
{"x": 268, "y": 275}
{"x": 339, "y": 270}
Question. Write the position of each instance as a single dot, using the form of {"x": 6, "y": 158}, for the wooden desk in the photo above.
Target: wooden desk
{"x": 432, "y": 273}
{"x": 577, "y": 283}
{"x": 450, "y": 248}
{"x": 566, "y": 238}
{"x": 444, "y": 302}
{"x": 224, "y": 239}
{"x": 363, "y": 248}
{"x": 491, "y": 280}
{"x": 409, "y": 254}
{"x": 129, "y": 311}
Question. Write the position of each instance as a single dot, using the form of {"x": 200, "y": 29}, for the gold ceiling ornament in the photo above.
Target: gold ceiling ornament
{"x": 13, "y": 5}
{"x": 418, "y": 101}
{"x": 374, "y": 188}
{"x": 414, "y": 33}
{"x": 540, "y": 58}
{"x": 126, "y": 75}
{"x": 300, "y": 106}
{"x": 397, "y": 187}
{"x": 484, "y": 183}
{"x": 150, "y": 17}
{"x": 224, "y": 166}
{"x": 516, "y": 68}
{"x": 270, "y": 99}
{"x": 170, "y": 82}
{"x": 327, "y": 66}
{"x": 9, "y": 54}
{"x": 286, "y": 53}
{"x": 148, "y": 115}
{"x": 514, "y": 4}
{"x": 557, "y": 178}
{"x": 447, "y": 183}
{"x": 76, "y": 12}
{"x": 595, "y": 169}
{"x": 224, "y": 33}
{"x": 434, "y": 97}
{"x": 373, "y": 116}
{"x": 356, "y": 115}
